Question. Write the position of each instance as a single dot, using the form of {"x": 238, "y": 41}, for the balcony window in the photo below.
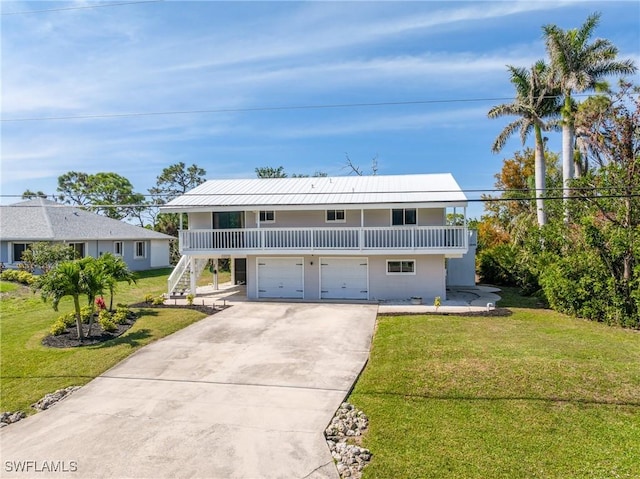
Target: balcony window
{"x": 335, "y": 216}
{"x": 267, "y": 217}
{"x": 400, "y": 217}
{"x": 406, "y": 266}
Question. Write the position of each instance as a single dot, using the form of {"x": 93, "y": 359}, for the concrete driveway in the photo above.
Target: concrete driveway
{"x": 245, "y": 393}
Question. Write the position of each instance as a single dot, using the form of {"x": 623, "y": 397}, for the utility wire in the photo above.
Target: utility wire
{"x": 468, "y": 200}
{"x": 264, "y": 108}
{"x": 25, "y": 12}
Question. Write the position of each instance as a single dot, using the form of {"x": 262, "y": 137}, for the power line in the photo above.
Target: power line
{"x": 262, "y": 109}
{"x": 25, "y": 12}
{"x": 468, "y": 200}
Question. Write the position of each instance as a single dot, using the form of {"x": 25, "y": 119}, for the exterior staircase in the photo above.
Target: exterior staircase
{"x": 179, "y": 282}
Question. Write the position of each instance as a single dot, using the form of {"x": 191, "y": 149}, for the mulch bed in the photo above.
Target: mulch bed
{"x": 69, "y": 339}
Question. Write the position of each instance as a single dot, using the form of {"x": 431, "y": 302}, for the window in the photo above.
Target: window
{"x": 141, "y": 250}
{"x": 18, "y": 249}
{"x": 336, "y": 216}
{"x": 79, "y": 249}
{"x": 267, "y": 217}
{"x": 404, "y": 217}
{"x": 118, "y": 248}
{"x": 405, "y": 266}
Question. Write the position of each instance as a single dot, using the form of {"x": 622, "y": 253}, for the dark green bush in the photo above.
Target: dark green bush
{"x": 497, "y": 265}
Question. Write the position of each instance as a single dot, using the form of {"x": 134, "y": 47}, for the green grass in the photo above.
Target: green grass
{"x": 30, "y": 370}
{"x": 6, "y": 287}
{"x": 532, "y": 395}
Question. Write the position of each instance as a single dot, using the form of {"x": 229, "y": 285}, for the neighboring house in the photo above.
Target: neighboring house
{"x": 363, "y": 237}
{"x": 36, "y": 220}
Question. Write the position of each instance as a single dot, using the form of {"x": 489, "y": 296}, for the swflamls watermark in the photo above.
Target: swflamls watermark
{"x": 40, "y": 466}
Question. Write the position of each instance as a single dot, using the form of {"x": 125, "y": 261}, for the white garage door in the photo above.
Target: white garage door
{"x": 344, "y": 278}
{"x": 280, "y": 278}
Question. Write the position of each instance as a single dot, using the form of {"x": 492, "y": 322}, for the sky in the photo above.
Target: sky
{"x": 132, "y": 87}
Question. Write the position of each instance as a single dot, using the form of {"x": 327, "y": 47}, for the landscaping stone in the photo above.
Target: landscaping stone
{"x": 52, "y": 398}
{"x": 46, "y": 402}
{"x": 9, "y": 417}
{"x": 348, "y": 424}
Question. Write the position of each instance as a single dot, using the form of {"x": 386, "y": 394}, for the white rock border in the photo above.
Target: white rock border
{"x": 46, "y": 402}
{"x": 348, "y": 423}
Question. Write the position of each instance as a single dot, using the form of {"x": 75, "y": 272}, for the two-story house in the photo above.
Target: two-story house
{"x": 361, "y": 237}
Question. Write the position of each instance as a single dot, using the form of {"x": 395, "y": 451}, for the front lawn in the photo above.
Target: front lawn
{"x": 532, "y": 395}
{"x": 30, "y": 370}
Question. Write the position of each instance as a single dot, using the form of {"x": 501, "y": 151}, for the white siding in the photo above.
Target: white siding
{"x": 159, "y": 254}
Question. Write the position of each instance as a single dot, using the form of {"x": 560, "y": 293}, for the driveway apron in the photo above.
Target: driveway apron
{"x": 245, "y": 393}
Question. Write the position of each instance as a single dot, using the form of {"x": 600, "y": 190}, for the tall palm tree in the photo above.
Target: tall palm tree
{"x": 579, "y": 66}
{"x": 534, "y": 104}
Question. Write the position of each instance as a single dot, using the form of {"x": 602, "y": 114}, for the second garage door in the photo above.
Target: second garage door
{"x": 344, "y": 278}
{"x": 280, "y": 278}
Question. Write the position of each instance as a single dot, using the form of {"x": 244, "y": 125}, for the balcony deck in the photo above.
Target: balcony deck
{"x": 448, "y": 240}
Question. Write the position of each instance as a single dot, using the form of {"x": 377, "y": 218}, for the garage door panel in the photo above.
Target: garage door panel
{"x": 344, "y": 278}
{"x": 280, "y": 278}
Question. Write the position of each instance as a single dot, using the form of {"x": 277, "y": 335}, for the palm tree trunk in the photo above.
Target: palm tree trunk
{"x": 567, "y": 154}
{"x": 540, "y": 173}
{"x": 76, "y": 303}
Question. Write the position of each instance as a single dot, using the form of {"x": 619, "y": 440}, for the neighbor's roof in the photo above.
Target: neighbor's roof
{"x": 43, "y": 220}
{"x": 359, "y": 191}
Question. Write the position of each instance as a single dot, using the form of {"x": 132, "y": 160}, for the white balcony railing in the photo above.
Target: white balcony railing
{"x": 311, "y": 239}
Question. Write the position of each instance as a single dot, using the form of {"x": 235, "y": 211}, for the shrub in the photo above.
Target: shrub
{"x": 157, "y": 301}
{"x": 18, "y": 276}
{"x": 121, "y": 315}
{"x": 497, "y": 265}
{"x": 58, "y": 328}
{"x": 105, "y": 319}
{"x": 68, "y": 319}
{"x": 85, "y": 313}
{"x": 577, "y": 285}
{"x": 148, "y": 298}
{"x": 107, "y": 324}
{"x": 190, "y": 298}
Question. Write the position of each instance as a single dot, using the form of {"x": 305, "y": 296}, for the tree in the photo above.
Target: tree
{"x": 45, "y": 256}
{"x": 108, "y": 194}
{"x": 357, "y": 170}
{"x": 173, "y": 181}
{"x": 115, "y": 270}
{"x": 70, "y": 278}
{"x": 74, "y": 188}
{"x": 270, "y": 172}
{"x": 535, "y": 102}
{"x": 176, "y": 180}
{"x": 28, "y": 194}
{"x": 610, "y": 194}
{"x": 579, "y": 66}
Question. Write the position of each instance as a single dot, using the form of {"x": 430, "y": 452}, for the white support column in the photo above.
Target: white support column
{"x": 361, "y": 236}
{"x": 192, "y": 275}
{"x": 215, "y": 274}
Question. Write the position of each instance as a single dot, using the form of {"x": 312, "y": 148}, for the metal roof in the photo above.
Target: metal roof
{"x": 43, "y": 220}
{"x": 358, "y": 191}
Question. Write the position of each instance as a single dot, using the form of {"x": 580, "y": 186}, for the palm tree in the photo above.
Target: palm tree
{"x": 579, "y": 66}
{"x": 72, "y": 278}
{"x": 115, "y": 269}
{"x": 534, "y": 103}
{"x": 66, "y": 279}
